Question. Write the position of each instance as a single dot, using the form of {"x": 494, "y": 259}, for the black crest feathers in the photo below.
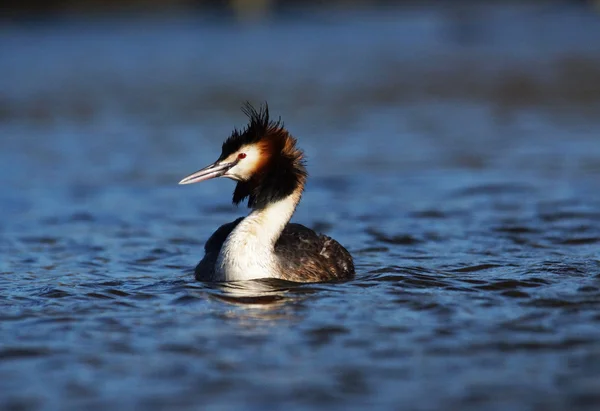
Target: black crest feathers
{"x": 258, "y": 127}
{"x": 281, "y": 170}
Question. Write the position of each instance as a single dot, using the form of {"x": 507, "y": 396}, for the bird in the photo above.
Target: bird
{"x": 270, "y": 171}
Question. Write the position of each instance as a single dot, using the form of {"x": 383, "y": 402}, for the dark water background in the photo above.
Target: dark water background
{"x": 455, "y": 152}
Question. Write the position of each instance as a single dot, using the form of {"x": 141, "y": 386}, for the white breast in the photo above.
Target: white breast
{"x": 248, "y": 251}
{"x": 245, "y": 257}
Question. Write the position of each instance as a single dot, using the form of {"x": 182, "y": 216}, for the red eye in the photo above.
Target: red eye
{"x": 241, "y": 156}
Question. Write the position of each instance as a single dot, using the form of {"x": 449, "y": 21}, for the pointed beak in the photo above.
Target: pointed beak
{"x": 212, "y": 171}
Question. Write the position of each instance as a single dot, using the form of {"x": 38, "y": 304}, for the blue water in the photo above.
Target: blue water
{"x": 456, "y": 156}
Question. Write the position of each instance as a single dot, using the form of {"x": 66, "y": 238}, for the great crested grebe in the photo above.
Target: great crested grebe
{"x": 269, "y": 170}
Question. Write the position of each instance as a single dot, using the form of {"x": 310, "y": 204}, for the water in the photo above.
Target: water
{"x": 456, "y": 157}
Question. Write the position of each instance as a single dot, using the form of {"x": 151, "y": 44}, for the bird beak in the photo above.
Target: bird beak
{"x": 212, "y": 171}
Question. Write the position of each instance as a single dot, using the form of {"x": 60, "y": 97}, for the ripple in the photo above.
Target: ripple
{"x": 55, "y": 293}
{"x": 372, "y": 250}
{"x": 16, "y": 353}
{"x": 325, "y": 334}
{"x": 398, "y": 239}
{"x": 411, "y": 277}
{"x": 82, "y": 216}
{"x": 494, "y": 189}
{"x": 475, "y": 268}
{"x": 515, "y": 294}
{"x": 509, "y": 284}
{"x": 430, "y": 214}
{"x": 185, "y": 241}
{"x": 99, "y": 296}
{"x": 186, "y": 350}
{"x": 517, "y": 230}
{"x": 569, "y": 215}
{"x": 40, "y": 240}
{"x": 563, "y": 303}
{"x": 579, "y": 241}
{"x": 187, "y": 299}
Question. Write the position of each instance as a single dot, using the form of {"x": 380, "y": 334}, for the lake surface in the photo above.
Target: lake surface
{"x": 455, "y": 154}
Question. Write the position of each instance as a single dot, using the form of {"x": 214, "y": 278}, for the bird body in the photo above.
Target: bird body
{"x": 271, "y": 174}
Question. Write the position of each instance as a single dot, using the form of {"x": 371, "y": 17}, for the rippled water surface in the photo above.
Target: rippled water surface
{"x": 458, "y": 160}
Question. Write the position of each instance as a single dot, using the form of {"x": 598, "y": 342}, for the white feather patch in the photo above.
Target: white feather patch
{"x": 248, "y": 251}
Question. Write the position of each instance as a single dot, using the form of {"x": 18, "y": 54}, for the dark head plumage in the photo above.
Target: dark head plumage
{"x": 281, "y": 169}
{"x": 258, "y": 127}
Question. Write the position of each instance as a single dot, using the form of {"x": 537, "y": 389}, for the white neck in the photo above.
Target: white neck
{"x": 248, "y": 251}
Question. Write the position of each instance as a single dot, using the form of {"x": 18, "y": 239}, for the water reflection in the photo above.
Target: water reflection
{"x": 256, "y": 293}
